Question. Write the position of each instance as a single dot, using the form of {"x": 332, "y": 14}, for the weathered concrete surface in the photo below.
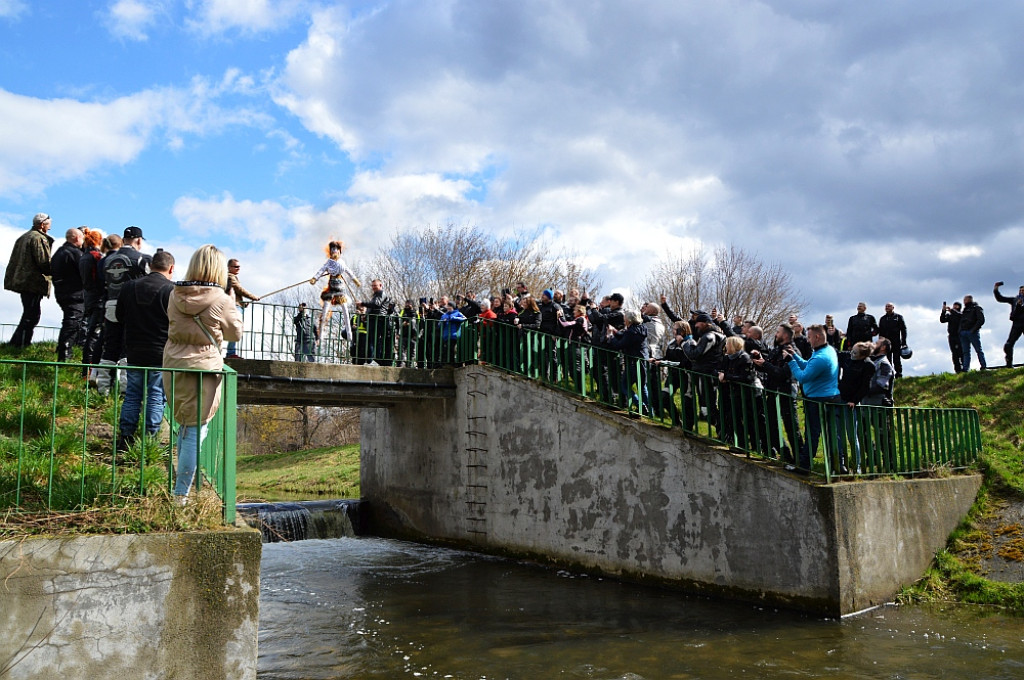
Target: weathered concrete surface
{"x": 315, "y": 384}
{"x": 183, "y": 606}
{"x": 512, "y": 467}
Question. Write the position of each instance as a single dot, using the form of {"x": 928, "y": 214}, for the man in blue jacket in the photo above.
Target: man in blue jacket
{"x": 819, "y": 378}
{"x": 451, "y": 331}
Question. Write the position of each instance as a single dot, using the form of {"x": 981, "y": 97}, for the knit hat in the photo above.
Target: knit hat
{"x": 703, "y": 317}
{"x": 549, "y": 293}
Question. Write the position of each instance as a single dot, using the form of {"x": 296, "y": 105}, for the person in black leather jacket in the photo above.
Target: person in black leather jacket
{"x": 861, "y": 327}
{"x": 780, "y": 394}
{"x": 67, "y": 288}
{"x": 706, "y": 353}
{"x": 892, "y": 327}
{"x": 951, "y": 317}
{"x": 1016, "y": 319}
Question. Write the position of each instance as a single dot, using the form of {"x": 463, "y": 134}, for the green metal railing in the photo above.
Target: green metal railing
{"x": 762, "y": 423}
{"x": 273, "y": 333}
{"x": 58, "y": 439}
{"x": 40, "y": 334}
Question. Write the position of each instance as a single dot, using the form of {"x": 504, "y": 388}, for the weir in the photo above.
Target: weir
{"x": 302, "y": 520}
{"x": 479, "y": 458}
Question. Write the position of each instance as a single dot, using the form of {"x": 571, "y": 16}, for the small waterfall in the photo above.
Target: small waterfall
{"x": 297, "y": 521}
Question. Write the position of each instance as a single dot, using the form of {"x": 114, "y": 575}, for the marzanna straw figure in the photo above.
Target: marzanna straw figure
{"x": 337, "y": 285}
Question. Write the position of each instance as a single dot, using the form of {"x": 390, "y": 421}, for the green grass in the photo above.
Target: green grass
{"x": 999, "y": 398}
{"x": 56, "y": 449}
{"x": 331, "y": 472}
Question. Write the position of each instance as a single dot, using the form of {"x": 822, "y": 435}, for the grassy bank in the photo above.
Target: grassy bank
{"x": 58, "y": 471}
{"x": 331, "y": 472}
{"x": 959, "y": 571}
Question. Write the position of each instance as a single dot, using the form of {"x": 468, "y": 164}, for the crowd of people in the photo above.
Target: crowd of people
{"x": 122, "y": 306}
{"x": 703, "y": 367}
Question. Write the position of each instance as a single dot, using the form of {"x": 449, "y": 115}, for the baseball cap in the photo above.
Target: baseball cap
{"x": 132, "y": 232}
{"x": 39, "y": 219}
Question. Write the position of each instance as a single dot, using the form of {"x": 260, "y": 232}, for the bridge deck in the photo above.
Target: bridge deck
{"x": 288, "y": 383}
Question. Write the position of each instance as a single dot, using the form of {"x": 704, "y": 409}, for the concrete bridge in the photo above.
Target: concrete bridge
{"x": 289, "y": 383}
{"x": 480, "y": 458}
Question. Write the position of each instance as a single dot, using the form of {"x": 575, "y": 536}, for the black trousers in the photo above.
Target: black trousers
{"x": 956, "y": 350}
{"x": 71, "y": 330}
{"x": 1016, "y": 330}
{"x": 31, "y": 310}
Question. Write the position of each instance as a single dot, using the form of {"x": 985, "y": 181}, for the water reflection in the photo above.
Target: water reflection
{"x": 374, "y": 608}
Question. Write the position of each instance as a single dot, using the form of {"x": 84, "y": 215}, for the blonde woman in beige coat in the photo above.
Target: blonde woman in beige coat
{"x": 200, "y": 317}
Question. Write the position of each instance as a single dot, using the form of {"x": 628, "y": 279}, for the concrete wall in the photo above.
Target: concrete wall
{"x": 130, "y": 607}
{"x": 512, "y": 467}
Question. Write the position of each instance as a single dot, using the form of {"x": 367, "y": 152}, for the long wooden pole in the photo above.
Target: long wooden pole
{"x": 281, "y": 290}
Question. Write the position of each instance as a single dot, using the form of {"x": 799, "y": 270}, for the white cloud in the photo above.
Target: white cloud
{"x": 211, "y": 17}
{"x": 12, "y": 9}
{"x": 957, "y": 253}
{"x": 132, "y": 19}
{"x": 59, "y": 139}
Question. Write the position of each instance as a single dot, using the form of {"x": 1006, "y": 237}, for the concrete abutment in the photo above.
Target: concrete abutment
{"x": 511, "y": 467}
{"x": 130, "y": 606}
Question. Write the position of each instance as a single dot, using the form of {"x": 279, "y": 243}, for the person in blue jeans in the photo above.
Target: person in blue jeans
{"x": 972, "y": 318}
{"x": 819, "y": 378}
{"x": 200, "y": 317}
{"x": 142, "y": 311}
{"x": 240, "y": 295}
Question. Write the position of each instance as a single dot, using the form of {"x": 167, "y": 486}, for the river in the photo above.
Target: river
{"x": 376, "y": 608}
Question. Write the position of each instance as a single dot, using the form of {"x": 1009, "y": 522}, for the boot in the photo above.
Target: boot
{"x": 103, "y": 377}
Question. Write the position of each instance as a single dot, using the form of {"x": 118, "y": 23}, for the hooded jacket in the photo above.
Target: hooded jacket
{"x": 189, "y": 347}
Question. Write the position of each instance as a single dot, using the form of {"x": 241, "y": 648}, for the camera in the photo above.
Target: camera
{"x": 423, "y": 300}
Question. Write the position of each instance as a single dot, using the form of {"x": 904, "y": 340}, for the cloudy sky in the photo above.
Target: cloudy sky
{"x": 874, "y": 149}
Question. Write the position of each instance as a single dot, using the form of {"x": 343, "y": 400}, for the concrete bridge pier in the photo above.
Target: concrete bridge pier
{"x": 511, "y": 467}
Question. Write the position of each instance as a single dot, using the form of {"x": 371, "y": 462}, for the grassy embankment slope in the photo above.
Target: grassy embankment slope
{"x": 331, "y": 472}
{"x": 58, "y": 472}
{"x": 959, "y": 571}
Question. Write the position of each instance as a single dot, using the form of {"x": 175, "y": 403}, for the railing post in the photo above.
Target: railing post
{"x": 229, "y": 408}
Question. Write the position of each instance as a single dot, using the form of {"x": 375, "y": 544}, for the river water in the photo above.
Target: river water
{"x": 376, "y": 608}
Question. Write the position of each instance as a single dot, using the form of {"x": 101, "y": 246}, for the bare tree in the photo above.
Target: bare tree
{"x": 456, "y": 259}
{"x": 735, "y": 281}
{"x": 270, "y": 429}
